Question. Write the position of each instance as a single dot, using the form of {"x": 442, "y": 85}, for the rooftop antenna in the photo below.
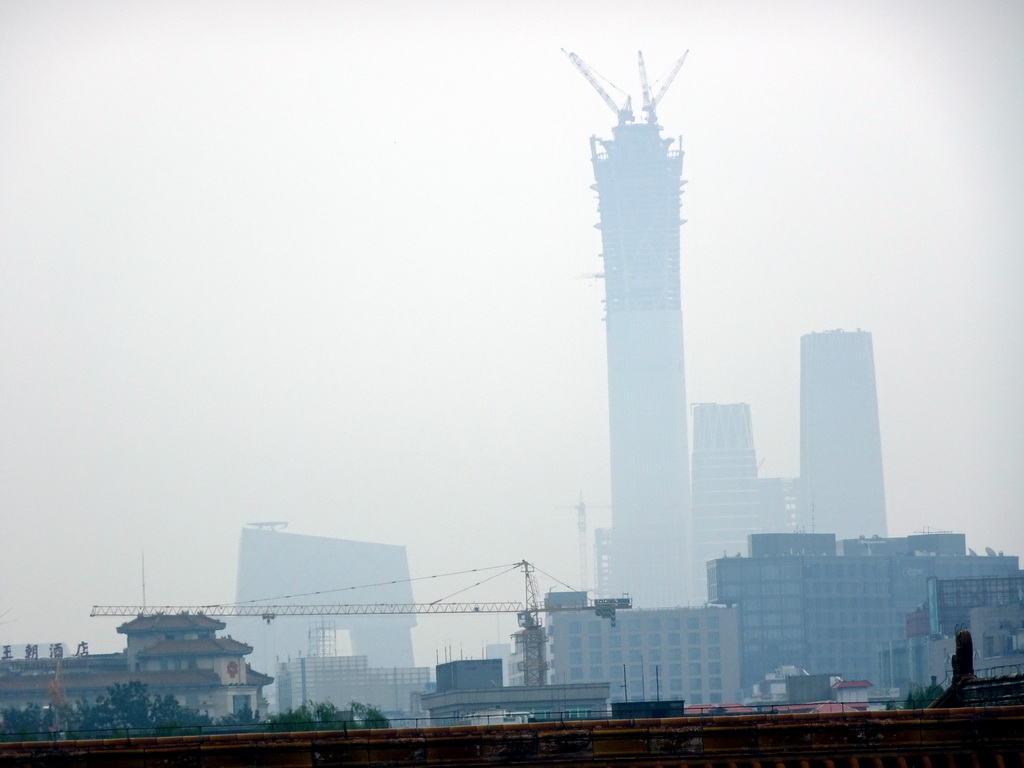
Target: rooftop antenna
{"x": 143, "y": 581}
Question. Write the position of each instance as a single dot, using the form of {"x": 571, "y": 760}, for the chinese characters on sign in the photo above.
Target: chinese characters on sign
{"x": 32, "y": 651}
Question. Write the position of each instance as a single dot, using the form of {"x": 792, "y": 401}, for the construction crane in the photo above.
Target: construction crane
{"x": 625, "y": 112}
{"x": 581, "y": 527}
{"x": 530, "y": 640}
{"x": 651, "y": 104}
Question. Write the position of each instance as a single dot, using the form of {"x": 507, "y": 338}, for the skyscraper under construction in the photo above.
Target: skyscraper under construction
{"x": 639, "y": 183}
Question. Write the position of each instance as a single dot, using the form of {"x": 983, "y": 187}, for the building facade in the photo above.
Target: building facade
{"x": 991, "y": 607}
{"x": 841, "y": 482}
{"x": 173, "y": 655}
{"x": 804, "y": 601}
{"x": 650, "y": 654}
{"x": 726, "y": 497}
{"x": 639, "y": 181}
{"x": 779, "y": 504}
{"x": 281, "y": 568}
{"x": 344, "y": 679}
{"x": 462, "y": 706}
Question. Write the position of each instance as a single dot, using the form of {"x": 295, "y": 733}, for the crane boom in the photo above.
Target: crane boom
{"x": 600, "y": 606}
{"x": 530, "y": 640}
{"x": 644, "y": 85}
{"x": 651, "y": 114}
{"x": 625, "y": 113}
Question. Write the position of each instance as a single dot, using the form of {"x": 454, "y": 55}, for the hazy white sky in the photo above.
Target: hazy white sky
{"x": 326, "y": 262}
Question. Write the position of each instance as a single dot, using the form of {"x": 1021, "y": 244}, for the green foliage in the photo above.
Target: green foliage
{"x": 368, "y": 715}
{"x": 919, "y": 697}
{"x": 129, "y": 706}
{"x": 26, "y": 723}
{"x": 245, "y": 717}
{"x": 311, "y": 716}
{"x": 125, "y": 708}
{"x": 324, "y": 716}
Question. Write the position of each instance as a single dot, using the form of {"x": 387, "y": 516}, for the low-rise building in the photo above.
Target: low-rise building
{"x": 179, "y": 655}
{"x": 992, "y": 608}
{"x": 807, "y": 601}
{"x": 344, "y": 679}
{"x": 538, "y": 702}
{"x": 649, "y": 654}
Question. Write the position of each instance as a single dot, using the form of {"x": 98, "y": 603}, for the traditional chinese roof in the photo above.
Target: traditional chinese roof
{"x": 76, "y": 685}
{"x": 990, "y": 736}
{"x": 833, "y": 707}
{"x": 719, "y": 709}
{"x": 256, "y": 678}
{"x": 203, "y": 646}
{"x": 170, "y": 622}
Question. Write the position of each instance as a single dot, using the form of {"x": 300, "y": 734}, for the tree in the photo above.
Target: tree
{"x": 323, "y": 715}
{"x": 368, "y": 715}
{"x": 27, "y": 722}
{"x": 310, "y": 716}
{"x": 242, "y": 717}
{"x": 919, "y": 697}
{"x": 129, "y": 705}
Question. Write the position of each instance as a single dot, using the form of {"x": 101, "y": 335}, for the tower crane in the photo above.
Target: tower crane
{"x": 625, "y": 112}
{"x": 581, "y": 526}
{"x": 530, "y": 640}
{"x": 651, "y": 104}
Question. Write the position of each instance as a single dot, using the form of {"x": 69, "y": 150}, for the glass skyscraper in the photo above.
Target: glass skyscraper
{"x": 841, "y": 485}
{"x": 726, "y": 497}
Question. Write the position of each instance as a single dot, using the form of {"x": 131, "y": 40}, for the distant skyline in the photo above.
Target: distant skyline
{"x": 328, "y": 263}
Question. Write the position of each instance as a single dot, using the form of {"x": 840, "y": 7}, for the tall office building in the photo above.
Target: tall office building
{"x": 841, "y": 487}
{"x": 288, "y": 569}
{"x": 639, "y": 180}
{"x": 726, "y": 499}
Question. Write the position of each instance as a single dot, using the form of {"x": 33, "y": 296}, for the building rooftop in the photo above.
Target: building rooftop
{"x": 168, "y": 622}
{"x": 203, "y": 646}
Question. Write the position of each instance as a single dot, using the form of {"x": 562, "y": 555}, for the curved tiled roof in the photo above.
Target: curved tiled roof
{"x": 204, "y": 646}
{"x": 76, "y": 685}
{"x": 167, "y": 622}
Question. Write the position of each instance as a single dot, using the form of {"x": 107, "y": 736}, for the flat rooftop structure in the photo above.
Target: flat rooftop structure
{"x": 951, "y": 738}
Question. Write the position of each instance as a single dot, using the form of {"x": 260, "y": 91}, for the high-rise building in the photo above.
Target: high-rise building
{"x": 288, "y": 569}
{"x": 778, "y": 503}
{"x": 639, "y": 181}
{"x": 726, "y": 500}
{"x": 841, "y": 486}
